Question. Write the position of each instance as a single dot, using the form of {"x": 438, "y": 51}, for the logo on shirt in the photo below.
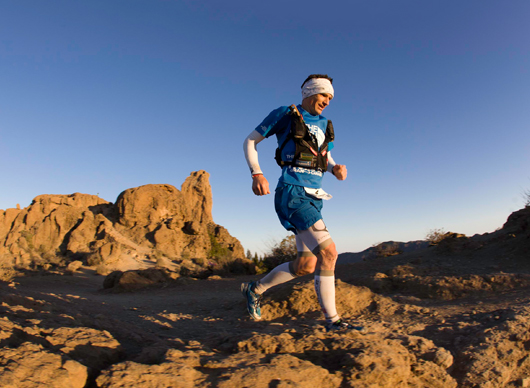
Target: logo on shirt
{"x": 306, "y": 171}
{"x": 317, "y": 132}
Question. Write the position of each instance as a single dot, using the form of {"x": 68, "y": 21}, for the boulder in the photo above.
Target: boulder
{"x": 133, "y": 280}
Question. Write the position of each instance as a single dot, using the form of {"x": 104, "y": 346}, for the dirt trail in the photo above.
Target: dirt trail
{"x": 207, "y": 318}
{"x": 189, "y": 309}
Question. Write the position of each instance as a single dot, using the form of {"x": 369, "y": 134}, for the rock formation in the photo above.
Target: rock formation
{"x": 146, "y": 225}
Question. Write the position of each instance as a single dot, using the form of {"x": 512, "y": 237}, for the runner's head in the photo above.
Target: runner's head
{"x": 317, "y": 92}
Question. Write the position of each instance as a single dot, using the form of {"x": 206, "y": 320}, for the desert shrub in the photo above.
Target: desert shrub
{"x": 29, "y": 238}
{"x": 56, "y": 259}
{"x": 281, "y": 252}
{"x": 402, "y": 270}
{"x": 200, "y": 261}
{"x": 216, "y": 250}
{"x": 258, "y": 263}
{"x": 239, "y": 267}
{"x": 434, "y": 236}
{"x": 227, "y": 266}
{"x": 222, "y": 260}
{"x": 260, "y": 267}
{"x": 40, "y": 256}
{"x": 36, "y": 261}
{"x": 386, "y": 249}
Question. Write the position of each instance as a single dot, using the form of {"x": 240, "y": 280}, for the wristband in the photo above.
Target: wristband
{"x": 255, "y": 175}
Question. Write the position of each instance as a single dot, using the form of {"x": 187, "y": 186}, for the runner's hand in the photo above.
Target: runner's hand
{"x": 340, "y": 171}
{"x": 260, "y": 185}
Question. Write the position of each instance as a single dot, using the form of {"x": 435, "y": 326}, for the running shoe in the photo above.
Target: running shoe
{"x": 342, "y": 325}
{"x": 253, "y": 305}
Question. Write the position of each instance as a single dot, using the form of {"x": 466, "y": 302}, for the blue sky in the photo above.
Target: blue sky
{"x": 431, "y": 112}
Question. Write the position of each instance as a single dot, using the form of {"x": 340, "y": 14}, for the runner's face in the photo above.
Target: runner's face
{"x": 316, "y": 103}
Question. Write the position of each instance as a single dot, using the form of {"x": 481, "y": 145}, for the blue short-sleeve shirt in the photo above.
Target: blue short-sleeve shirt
{"x": 317, "y": 125}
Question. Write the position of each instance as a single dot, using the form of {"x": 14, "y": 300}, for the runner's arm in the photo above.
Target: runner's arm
{"x": 260, "y": 185}
{"x": 331, "y": 163}
{"x": 251, "y": 152}
{"x": 339, "y": 170}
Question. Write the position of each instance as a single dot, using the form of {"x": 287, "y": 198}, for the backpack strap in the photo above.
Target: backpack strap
{"x": 304, "y": 141}
{"x": 330, "y": 136}
{"x": 298, "y": 132}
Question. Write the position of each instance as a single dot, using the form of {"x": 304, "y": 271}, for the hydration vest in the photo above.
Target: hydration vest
{"x": 307, "y": 154}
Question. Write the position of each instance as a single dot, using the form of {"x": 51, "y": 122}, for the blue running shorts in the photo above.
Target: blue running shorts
{"x": 296, "y": 209}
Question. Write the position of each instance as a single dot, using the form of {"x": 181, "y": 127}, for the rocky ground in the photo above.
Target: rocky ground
{"x": 452, "y": 315}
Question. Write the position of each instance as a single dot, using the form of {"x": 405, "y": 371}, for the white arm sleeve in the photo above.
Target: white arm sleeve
{"x": 331, "y": 163}
{"x": 251, "y": 153}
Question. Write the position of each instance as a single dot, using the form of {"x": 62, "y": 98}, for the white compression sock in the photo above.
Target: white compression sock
{"x": 325, "y": 289}
{"x": 278, "y": 275}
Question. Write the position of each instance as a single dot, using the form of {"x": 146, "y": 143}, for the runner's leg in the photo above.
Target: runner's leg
{"x": 280, "y": 274}
{"x": 306, "y": 261}
{"x": 304, "y": 264}
{"x": 325, "y": 282}
{"x": 318, "y": 240}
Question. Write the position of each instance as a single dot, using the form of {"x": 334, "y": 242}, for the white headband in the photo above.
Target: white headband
{"x": 317, "y": 86}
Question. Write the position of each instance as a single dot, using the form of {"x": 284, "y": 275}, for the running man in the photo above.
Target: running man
{"x": 305, "y": 139}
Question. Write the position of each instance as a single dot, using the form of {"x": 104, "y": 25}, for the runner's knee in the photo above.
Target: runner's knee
{"x": 305, "y": 271}
{"x": 328, "y": 257}
{"x": 304, "y": 264}
{"x": 306, "y": 268}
